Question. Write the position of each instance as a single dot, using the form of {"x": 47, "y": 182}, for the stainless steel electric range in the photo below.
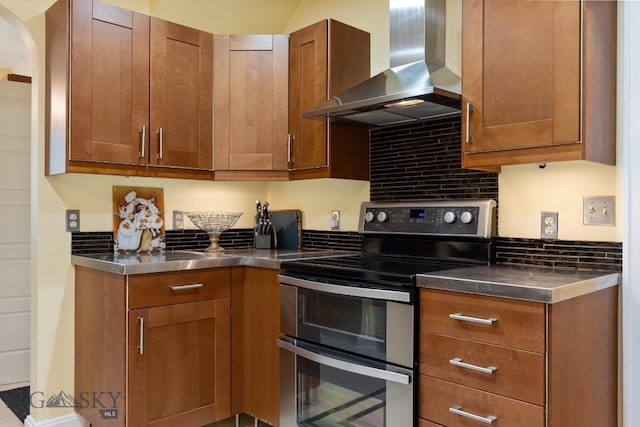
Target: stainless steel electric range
{"x": 348, "y": 349}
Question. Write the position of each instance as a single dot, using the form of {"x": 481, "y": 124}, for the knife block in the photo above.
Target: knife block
{"x": 264, "y": 241}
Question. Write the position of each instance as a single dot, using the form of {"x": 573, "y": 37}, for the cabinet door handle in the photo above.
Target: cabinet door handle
{"x": 143, "y": 141}
{"x": 458, "y": 316}
{"x": 141, "y": 342}
{"x": 185, "y": 287}
{"x": 489, "y": 419}
{"x": 344, "y": 365}
{"x": 161, "y": 143}
{"x": 458, "y": 362}
{"x": 468, "y": 138}
{"x": 290, "y": 138}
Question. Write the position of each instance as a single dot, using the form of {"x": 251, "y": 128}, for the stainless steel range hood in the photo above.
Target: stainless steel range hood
{"x": 417, "y": 86}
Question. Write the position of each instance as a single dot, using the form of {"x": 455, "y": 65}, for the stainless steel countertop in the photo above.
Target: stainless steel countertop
{"x": 525, "y": 283}
{"x": 187, "y": 260}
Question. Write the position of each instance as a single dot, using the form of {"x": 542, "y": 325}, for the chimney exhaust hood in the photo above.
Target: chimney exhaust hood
{"x": 417, "y": 86}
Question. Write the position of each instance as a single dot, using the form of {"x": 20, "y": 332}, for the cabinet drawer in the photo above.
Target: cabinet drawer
{"x": 507, "y": 322}
{"x": 518, "y": 374}
{"x": 438, "y": 398}
{"x": 425, "y": 423}
{"x": 174, "y": 287}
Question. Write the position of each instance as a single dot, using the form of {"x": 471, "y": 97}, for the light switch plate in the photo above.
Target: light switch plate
{"x": 598, "y": 210}
{"x": 72, "y": 220}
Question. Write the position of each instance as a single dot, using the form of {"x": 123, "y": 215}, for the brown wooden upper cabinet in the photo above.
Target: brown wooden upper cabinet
{"x": 181, "y": 96}
{"x": 126, "y": 91}
{"x": 250, "y": 108}
{"x": 324, "y": 60}
{"x": 538, "y": 82}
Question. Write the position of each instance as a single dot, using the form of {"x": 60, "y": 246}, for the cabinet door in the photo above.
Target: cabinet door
{"x": 110, "y": 83}
{"x": 251, "y": 102}
{"x": 256, "y": 326}
{"x": 179, "y": 364}
{"x": 521, "y": 74}
{"x": 181, "y": 96}
{"x": 325, "y": 59}
{"x": 308, "y": 50}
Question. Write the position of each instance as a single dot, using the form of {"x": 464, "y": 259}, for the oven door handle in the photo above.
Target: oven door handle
{"x": 353, "y": 291}
{"x": 343, "y": 365}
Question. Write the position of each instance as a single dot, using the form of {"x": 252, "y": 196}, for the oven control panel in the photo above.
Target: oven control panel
{"x": 473, "y": 218}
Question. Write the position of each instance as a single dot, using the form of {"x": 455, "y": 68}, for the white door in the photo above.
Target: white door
{"x": 15, "y": 123}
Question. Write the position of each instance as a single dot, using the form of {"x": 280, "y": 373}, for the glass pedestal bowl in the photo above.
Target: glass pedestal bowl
{"x": 213, "y": 223}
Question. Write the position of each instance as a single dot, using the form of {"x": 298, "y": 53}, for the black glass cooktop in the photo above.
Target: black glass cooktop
{"x": 389, "y": 270}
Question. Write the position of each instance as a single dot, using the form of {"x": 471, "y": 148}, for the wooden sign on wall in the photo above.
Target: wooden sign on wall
{"x": 138, "y": 219}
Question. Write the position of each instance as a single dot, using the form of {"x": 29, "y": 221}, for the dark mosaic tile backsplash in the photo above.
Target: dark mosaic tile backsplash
{"x": 560, "y": 254}
{"x": 408, "y": 162}
{"x": 97, "y": 242}
{"x": 343, "y": 240}
{"x": 422, "y": 161}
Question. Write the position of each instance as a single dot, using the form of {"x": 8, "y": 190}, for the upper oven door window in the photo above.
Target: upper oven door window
{"x": 358, "y": 325}
{"x": 376, "y": 323}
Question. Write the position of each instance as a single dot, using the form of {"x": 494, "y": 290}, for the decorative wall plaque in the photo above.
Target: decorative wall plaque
{"x": 138, "y": 219}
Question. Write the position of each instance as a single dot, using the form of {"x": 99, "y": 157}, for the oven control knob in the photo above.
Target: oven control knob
{"x": 382, "y": 216}
{"x": 449, "y": 217}
{"x": 466, "y": 217}
{"x": 369, "y": 216}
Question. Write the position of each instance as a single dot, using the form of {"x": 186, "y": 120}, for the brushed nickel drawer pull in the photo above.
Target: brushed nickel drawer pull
{"x": 459, "y": 316}
{"x": 458, "y": 362}
{"x": 457, "y": 409}
{"x": 185, "y": 287}
{"x": 141, "y": 342}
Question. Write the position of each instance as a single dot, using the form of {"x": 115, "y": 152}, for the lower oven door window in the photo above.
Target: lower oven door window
{"x": 321, "y": 387}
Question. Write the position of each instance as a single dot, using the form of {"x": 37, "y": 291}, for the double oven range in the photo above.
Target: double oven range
{"x": 348, "y": 344}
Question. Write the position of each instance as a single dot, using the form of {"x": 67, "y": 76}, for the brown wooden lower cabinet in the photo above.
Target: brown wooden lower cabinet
{"x": 153, "y": 349}
{"x": 473, "y": 370}
{"x": 255, "y": 328}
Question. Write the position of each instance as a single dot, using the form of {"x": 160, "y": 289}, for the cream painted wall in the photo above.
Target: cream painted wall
{"x": 527, "y": 190}
{"x": 375, "y": 21}
{"x": 317, "y": 198}
{"x": 92, "y": 195}
{"x": 226, "y": 17}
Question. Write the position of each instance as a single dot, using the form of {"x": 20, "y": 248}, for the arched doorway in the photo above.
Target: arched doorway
{"x": 15, "y": 201}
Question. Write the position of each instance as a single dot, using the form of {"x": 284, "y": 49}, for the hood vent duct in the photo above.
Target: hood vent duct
{"x": 417, "y": 86}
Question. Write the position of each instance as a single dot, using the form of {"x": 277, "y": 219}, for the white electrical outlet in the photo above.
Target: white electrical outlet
{"x": 549, "y": 225}
{"x": 334, "y": 222}
{"x": 72, "y": 217}
{"x": 178, "y": 220}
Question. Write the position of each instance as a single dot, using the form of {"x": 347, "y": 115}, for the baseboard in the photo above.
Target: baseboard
{"x": 70, "y": 420}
